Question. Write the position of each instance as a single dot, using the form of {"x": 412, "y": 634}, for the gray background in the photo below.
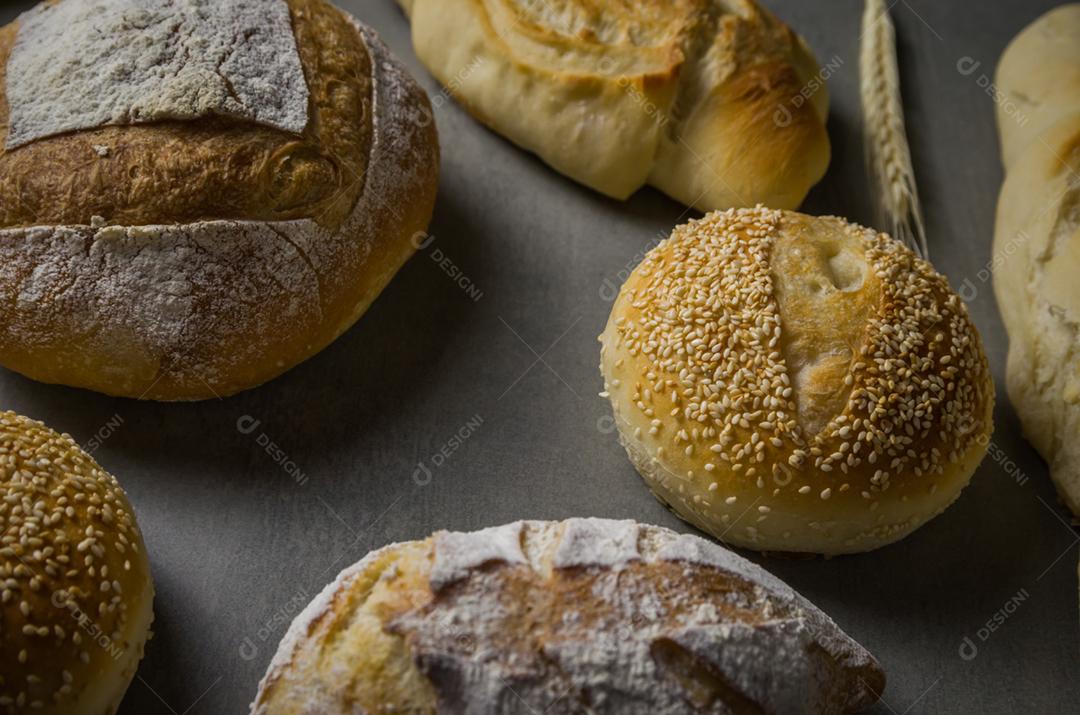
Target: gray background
{"x": 238, "y": 547}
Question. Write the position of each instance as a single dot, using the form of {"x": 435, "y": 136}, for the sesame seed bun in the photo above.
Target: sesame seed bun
{"x": 793, "y": 383}
{"x": 75, "y": 590}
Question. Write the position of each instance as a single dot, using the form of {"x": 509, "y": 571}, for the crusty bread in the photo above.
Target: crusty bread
{"x": 1037, "y": 237}
{"x": 1037, "y": 250}
{"x": 586, "y": 615}
{"x": 199, "y": 240}
{"x": 77, "y": 594}
{"x": 707, "y": 100}
{"x": 1038, "y": 79}
{"x": 798, "y": 384}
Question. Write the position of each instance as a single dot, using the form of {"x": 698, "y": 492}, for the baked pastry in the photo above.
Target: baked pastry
{"x": 1038, "y": 79}
{"x": 196, "y": 196}
{"x": 76, "y": 599}
{"x": 586, "y": 615}
{"x": 1037, "y": 240}
{"x": 798, "y": 384}
{"x": 714, "y": 102}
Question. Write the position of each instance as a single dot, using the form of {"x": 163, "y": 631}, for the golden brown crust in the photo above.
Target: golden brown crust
{"x": 187, "y": 311}
{"x": 555, "y": 623}
{"x": 73, "y": 574}
{"x": 792, "y": 383}
{"x": 703, "y": 99}
{"x": 183, "y": 172}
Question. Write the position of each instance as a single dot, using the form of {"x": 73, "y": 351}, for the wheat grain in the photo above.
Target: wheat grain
{"x": 887, "y": 150}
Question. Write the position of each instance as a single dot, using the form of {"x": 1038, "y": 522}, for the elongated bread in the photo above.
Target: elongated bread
{"x": 714, "y": 102}
{"x": 197, "y": 196}
{"x": 1037, "y": 240}
{"x": 586, "y": 615}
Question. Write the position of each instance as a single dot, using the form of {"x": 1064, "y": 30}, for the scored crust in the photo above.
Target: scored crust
{"x": 704, "y": 99}
{"x": 210, "y": 169}
{"x": 189, "y": 260}
{"x": 75, "y": 580}
{"x": 792, "y": 383}
{"x": 583, "y": 615}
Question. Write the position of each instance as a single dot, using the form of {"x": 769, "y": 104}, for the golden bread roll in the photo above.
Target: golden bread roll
{"x": 717, "y": 104}
{"x": 585, "y": 615}
{"x": 197, "y": 196}
{"x": 792, "y": 383}
{"x": 76, "y": 597}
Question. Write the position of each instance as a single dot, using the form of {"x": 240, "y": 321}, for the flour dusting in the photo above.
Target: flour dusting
{"x": 86, "y": 64}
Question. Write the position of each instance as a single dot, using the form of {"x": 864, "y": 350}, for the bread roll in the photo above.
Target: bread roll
{"x": 586, "y": 615}
{"x": 716, "y": 104}
{"x": 197, "y": 196}
{"x": 75, "y": 591}
{"x": 798, "y": 384}
{"x": 1038, "y": 79}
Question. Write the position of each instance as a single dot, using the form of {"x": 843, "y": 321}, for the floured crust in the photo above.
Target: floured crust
{"x": 1037, "y": 254}
{"x": 699, "y": 98}
{"x": 587, "y": 614}
{"x": 792, "y": 383}
{"x": 181, "y": 311}
{"x": 1037, "y": 238}
{"x": 210, "y": 169}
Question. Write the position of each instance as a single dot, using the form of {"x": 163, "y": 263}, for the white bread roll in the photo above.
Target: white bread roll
{"x": 197, "y": 196}
{"x": 76, "y": 597}
{"x": 1037, "y": 258}
{"x": 586, "y": 615}
{"x": 716, "y": 104}
{"x": 1037, "y": 238}
{"x": 1039, "y": 79}
{"x": 798, "y": 384}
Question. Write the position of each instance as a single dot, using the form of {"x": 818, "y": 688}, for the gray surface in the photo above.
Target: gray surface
{"x": 238, "y": 546}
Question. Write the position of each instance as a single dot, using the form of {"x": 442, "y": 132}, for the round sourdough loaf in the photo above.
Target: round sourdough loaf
{"x": 581, "y": 616}
{"x": 196, "y": 196}
{"x": 77, "y": 598}
{"x": 792, "y": 383}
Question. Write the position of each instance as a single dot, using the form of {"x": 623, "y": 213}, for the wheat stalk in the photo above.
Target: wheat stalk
{"x": 887, "y": 150}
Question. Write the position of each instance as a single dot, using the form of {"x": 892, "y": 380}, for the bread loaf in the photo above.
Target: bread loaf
{"x": 77, "y": 598}
{"x": 792, "y": 383}
{"x": 1037, "y": 239}
{"x": 714, "y": 102}
{"x": 196, "y": 196}
{"x": 1038, "y": 79}
{"x": 586, "y": 615}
